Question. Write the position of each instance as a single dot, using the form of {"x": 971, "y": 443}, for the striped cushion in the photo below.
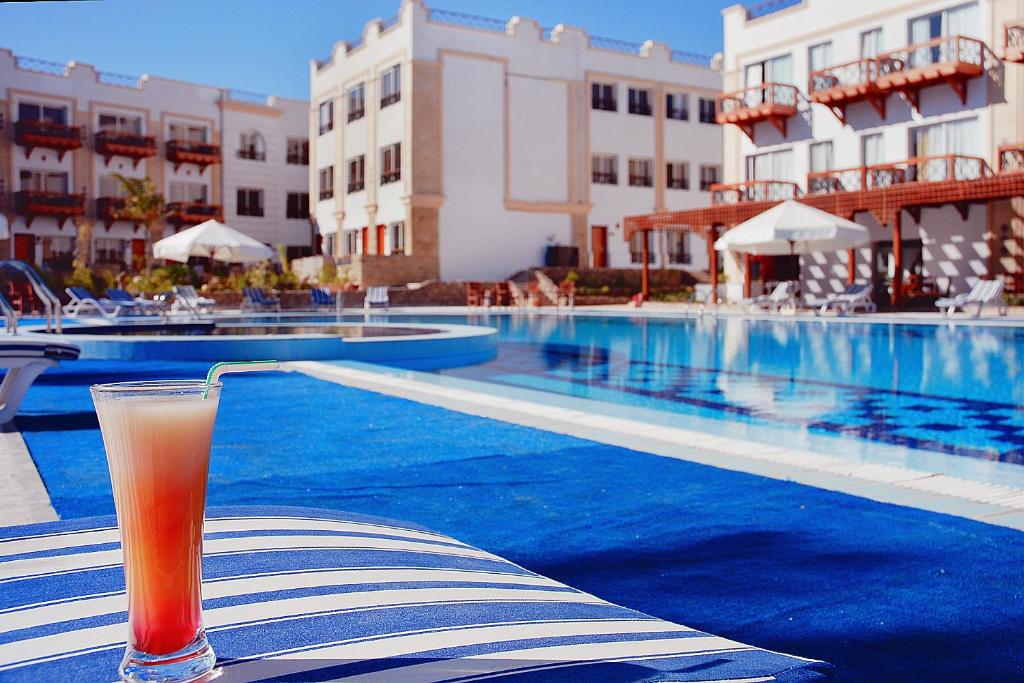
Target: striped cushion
{"x": 314, "y": 594}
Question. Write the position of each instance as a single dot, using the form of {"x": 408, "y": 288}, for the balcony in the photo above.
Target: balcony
{"x": 1011, "y": 158}
{"x": 953, "y": 60}
{"x": 916, "y": 170}
{"x": 110, "y": 209}
{"x": 201, "y": 154}
{"x": 1013, "y": 41}
{"x": 111, "y": 143}
{"x": 59, "y": 137}
{"x": 192, "y": 213}
{"x": 771, "y": 102}
{"x": 34, "y": 204}
{"x": 753, "y": 191}
{"x": 844, "y": 84}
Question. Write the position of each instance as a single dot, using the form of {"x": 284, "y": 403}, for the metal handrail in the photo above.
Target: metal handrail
{"x": 10, "y": 317}
{"x": 50, "y": 301}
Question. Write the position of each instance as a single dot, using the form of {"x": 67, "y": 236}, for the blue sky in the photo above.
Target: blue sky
{"x": 265, "y": 45}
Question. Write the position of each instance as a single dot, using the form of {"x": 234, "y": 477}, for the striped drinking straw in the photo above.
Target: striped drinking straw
{"x": 238, "y": 366}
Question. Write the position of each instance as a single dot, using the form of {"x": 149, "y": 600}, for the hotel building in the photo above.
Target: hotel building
{"x": 904, "y": 115}
{"x": 65, "y": 129}
{"x": 460, "y": 147}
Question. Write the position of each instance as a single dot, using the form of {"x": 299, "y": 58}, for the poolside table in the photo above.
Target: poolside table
{"x": 318, "y": 595}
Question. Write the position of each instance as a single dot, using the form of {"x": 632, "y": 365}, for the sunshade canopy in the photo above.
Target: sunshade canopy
{"x": 215, "y": 240}
{"x": 793, "y": 228}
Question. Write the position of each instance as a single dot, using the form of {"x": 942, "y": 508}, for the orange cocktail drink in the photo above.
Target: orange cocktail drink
{"x": 157, "y": 437}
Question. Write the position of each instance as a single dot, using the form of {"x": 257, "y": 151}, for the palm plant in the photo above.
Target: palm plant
{"x": 143, "y": 205}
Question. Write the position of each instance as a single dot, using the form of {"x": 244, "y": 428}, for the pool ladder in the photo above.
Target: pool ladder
{"x": 51, "y": 304}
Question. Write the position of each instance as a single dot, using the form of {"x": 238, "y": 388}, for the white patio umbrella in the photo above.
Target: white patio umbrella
{"x": 793, "y": 228}
{"x": 214, "y": 240}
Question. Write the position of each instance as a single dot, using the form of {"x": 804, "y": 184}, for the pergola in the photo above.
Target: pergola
{"x": 889, "y": 193}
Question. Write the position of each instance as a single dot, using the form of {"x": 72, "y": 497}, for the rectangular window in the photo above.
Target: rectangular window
{"x": 605, "y": 169}
{"x": 250, "y": 202}
{"x": 356, "y": 173}
{"x": 58, "y": 252}
{"x": 326, "y": 182}
{"x": 43, "y": 181}
{"x": 636, "y": 245}
{"x": 871, "y": 43}
{"x": 188, "y": 192}
{"x": 117, "y": 123}
{"x": 397, "y": 240}
{"x": 326, "y": 116}
{"x": 678, "y": 175}
{"x": 707, "y": 110}
{"x": 775, "y": 70}
{"x": 391, "y": 163}
{"x": 187, "y": 133}
{"x": 821, "y": 157}
{"x": 356, "y": 102}
{"x": 871, "y": 150}
{"x": 930, "y": 145}
{"x": 602, "y": 97}
{"x": 770, "y": 165}
{"x": 111, "y": 187}
{"x": 819, "y": 56}
{"x": 641, "y": 173}
{"x": 640, "y": 101}
{"x": 677, "y": 106}
{"x": 28, "y": 111}
{"x": 297, "y": 152}
{"x": 352, "y": 242}
{"x": 108, "y": 250}
{"x": 250, "y": 146}
{"x": 297, "y": 205}
{"x": 709, "y": 175}
{"x": 678, "y": 247}
{"x": 391, "y": 86}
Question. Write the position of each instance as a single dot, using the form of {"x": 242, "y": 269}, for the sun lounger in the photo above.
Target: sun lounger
{"x": 24, "y": 358}
{"x": 849, "y": 300}
{"x": 82, "y": 302}
{"x": 780, "y": 297}
{"x": 255, "y": 299}
{"x": 315, "y": 595}
{"x": 376, "y": 297}
{"x": 519, "y": 298}
{"x": 185, "y": 297}
{"x": 321, "y": 298}
{"x": 983, "y": 293}
{"x": 145, "y": 306}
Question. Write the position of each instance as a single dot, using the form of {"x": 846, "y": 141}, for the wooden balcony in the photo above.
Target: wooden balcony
{"x": 841, "y": 85}
{"x": 1011, "y": 158}
{"x": 1013, "y": 41}
{"x": 192, "y": 213}
{"x": 110, "y": 144}
{"x": 59, "y": 137}
{"x": 769, "y": 102}
{"x": 111, "y": 209}
{"x": 201, "y": 154}
{"x": 34, "y": 204}
{"x": 952, "y": 60}
{"x": 753, "y": 191}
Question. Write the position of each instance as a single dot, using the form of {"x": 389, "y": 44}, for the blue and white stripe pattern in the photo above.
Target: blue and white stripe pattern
{"x": 300, "y": 594}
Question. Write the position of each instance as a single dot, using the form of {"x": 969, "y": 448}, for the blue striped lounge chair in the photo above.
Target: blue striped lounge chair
{"x": 321, "y": 298}
{"x": 25, "y": 358}
{"x": 303, "y": 594}
{"x": 376, "y": 297}
{"x": 144, "y": 306}
{"x": 255, "y": 299}
{"x": 82, "y": 302}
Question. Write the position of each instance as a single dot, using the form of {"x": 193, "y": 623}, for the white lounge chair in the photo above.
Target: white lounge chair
{"x": 849, "y": 300}
{"x": 983, "y": 293}
{"x": 25, "y": 358}
{"x": 185, "y": 297}
{"x": 783, "y": 295}
{"x": 82, "y": 302}
{"x": 376, "y": 297}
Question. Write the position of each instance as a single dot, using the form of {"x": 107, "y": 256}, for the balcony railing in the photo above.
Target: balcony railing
{"x": 641, "y": 181}
{"x": 772, "y": 102}
{"x": 191, "y": 213}
{"x": 916, "y": 170}
{"x": 753, "y": 191}
{"x": 388, "y": 100}
{"x": 843, "y": 84}
{"x": 37, "y": 204}
{"x": 59, "y": 137}
{"x": 390, "y": 177}
{"x": 356, "y": 114}
{"x": 110, "y": 209}
{"x": 111, "y": 143}
{"x": 950, "y": 59}
{"x": 355, "y": 186}
{"x": 1013, "y": 41}
{"x": 1011, "y": 158}
{"x": 601, "y": 178}
{"x": 201, "y": 154}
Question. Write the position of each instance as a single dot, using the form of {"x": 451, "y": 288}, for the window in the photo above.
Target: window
{"x": 640, "y": 101}
{"x": 250, "y": 202}
{"x": 41, "y": 112}
{"x": 356, "y": 173}
{"x": 326, "y": 182}
{"x": 777, "y": 166}
{"x": 871, "y": 149}
{"x": 605, "y": 169}
{"x": 775, "y": 70}
{"x": 43, "y": 181}
{"x": 871, "y": 43}
{"x": 821, "y": 157}
{"x": 111, "y": 187}
{"x": 108, "y": 250}
{"x": 677, "y": 106}
{"x": 939, "y": 139}
{"x": 678, "y": 175}
{"x": 297, "y": 205}
{"x": 390, "y": 86}
{"x": 117, "y": 123}
{"x": 962, "y": 20}
{"x": 187, "y": 133}
{"x": 636, "y": 245}
{"x": 641, "y": 173}
{"x": 353, "y": 242}
{"x": 397, "y": 238}
{"x": 602, "y": 97}
{"x": 356, "y": 102}
{"x": 707, "y": 110}
{"x": 709, "y": 176}
{"x": 328, "y": 244}
{"x": 58, "y": 252}
{"x": 188, "y": 192}
{"x": 326, "y": 116}
{"x": 391, "y": 163}
{"x": 819, "y": 56}
{"x": 250, "y": 146}
{"x": 678, "y": 244}
{"x": 297, "y": 152}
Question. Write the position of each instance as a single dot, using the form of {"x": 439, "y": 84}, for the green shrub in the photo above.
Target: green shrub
{"x": 162, "y": 279}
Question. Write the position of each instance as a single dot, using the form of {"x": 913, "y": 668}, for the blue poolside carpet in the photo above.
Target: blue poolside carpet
{"x": 884, "y": 593}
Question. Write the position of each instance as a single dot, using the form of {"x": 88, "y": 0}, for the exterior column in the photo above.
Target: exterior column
{"x": 746, "y": 275}
{"x": 851, "y": 266}
{"x": 713, "y": 261}
{"x": 645, "y": 273}
{"x": 897, "y": 258}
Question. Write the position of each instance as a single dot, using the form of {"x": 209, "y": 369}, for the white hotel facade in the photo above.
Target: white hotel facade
{"x": 825, "y": 97}
{"x": 458, "y": 147}
{"x": 65, "y": 129}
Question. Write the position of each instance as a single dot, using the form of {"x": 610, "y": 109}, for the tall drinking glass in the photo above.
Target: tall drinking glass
{"x": 157, "y": 437}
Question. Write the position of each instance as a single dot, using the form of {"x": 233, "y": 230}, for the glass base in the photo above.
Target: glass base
{"x": 194, "y": 662}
